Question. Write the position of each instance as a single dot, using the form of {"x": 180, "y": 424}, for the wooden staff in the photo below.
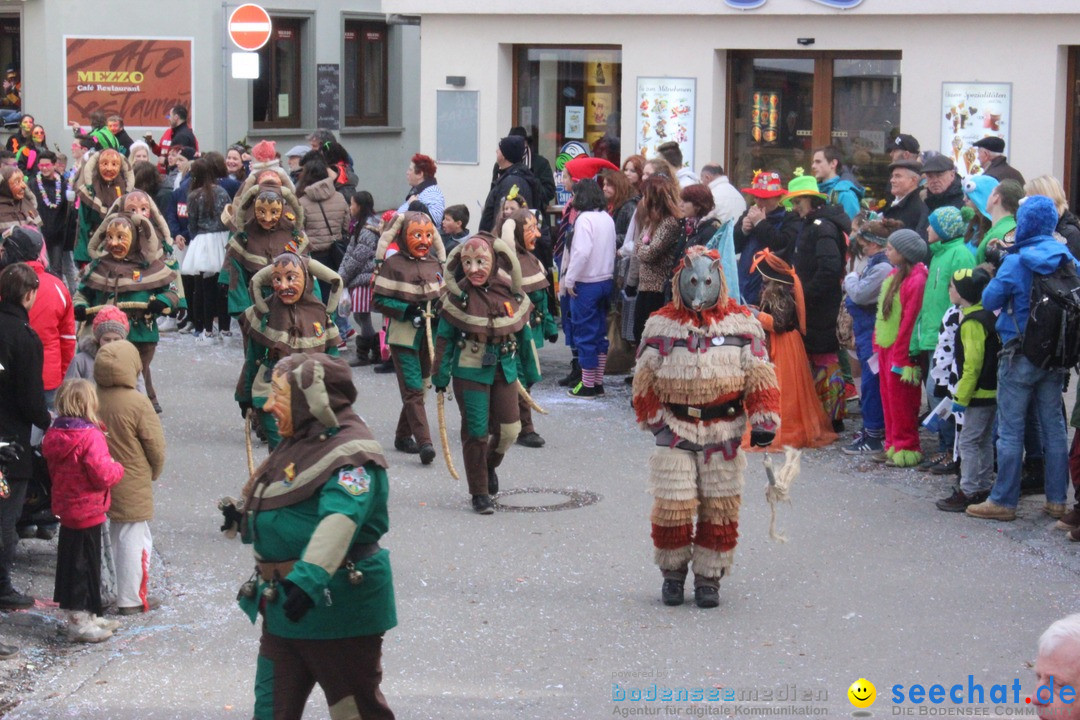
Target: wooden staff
{"x": 440, "y": 404}
{"x": 528, "y": 398}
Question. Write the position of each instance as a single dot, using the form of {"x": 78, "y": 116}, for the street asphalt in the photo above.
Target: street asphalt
{"x": 554, "y": 614}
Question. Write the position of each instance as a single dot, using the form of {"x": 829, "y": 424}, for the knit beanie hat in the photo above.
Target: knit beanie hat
{"x": 970, "y": 283}
{"x": 977, "y": 188}
{"x": 21, "y": 244}
{"x": 512, "y": 148}
{"x": 110, "y": 319}
{"x": 947, "y": 222}
{"x": 908, "y": 243}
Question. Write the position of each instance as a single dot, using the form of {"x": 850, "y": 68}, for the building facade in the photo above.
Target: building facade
{"x": 329, "y": 63}
{"x": 749, "y": 83}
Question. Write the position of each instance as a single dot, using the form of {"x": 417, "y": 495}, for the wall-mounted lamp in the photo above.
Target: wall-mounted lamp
{"x": 455, "y": 80}
{"x": 806, "y": 41}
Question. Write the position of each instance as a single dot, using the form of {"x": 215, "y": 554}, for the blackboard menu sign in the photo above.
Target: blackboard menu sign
{"x": 328, "y": 79}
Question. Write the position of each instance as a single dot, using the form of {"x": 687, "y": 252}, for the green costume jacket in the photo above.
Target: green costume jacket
{"x": 948, "y": 256}
{"x": 349, "y": 509}
{"x": 401, "y": 332}
{"x": 997, "y": 231}
{"x": 467, "y": 362}
{"x": 144, "y": 329}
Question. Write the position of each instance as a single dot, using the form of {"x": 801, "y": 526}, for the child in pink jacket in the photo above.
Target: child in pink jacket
{"x": 82, "y": 473}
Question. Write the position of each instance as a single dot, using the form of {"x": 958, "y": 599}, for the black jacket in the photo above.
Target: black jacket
{"x": 819, "y": 263}
{"x": 953, "y": 196}
{"x": 528, "y": 189}
{"x": 1000, "y": 169}
{"x": 53, "y": 220}
{"x": 1069, "y": 228}
{"x": 183, "y": 135}
{"x": 703, "y": 233}
{"x": 125, "y": 141}
{"x": 911, "y": 211}
{"x": 22, "y": 394}
{"x": 777, "y": 232}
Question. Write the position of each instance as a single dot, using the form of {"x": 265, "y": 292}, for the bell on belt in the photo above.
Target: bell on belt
{"x": 270, "y": 592}
{"x": 247, "y": 590}
{"x": 355, "y": 576}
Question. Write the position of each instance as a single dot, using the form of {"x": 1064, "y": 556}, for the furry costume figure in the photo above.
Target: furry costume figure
{"x": 104, "y": 177}
{"x": 407, "y": 287}
{"x": 702, "y": 375}
{"x": 291, "y": 320}
{"x": 266, "y": 221}
{"x": 18, "y": 206}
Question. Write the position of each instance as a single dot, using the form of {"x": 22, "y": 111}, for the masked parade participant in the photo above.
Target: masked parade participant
{"x": 702, "y": 375}
{"x": 18, "y": 206}
{"x": 105, "y": 177}
{"x": 482, "y": 332}
{"x": 407, "y": 287}
{"x": 522, "y": 231}
{"x": 291, "y": 320}
{"x": 127, "y": 269}
{"x": 314, "y": 512}
{"x": 266, "y": 221}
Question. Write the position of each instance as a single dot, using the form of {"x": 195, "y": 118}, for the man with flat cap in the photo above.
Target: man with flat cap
{"x": 942, "y": 186}
{"x": 907, "y": 204}
{"x": 991, "y": 154}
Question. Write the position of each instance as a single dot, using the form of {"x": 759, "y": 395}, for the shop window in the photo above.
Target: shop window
{"x": 783, "y": 105}
{"x": 569, "y": 94}
{"x": 276, "y": 99}
{"x": 11, "y": 97}
{"x": 1072, "y": 131}
{"x": 365, "y": 73}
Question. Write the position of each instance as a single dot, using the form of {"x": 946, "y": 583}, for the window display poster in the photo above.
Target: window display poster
{"x": 600, "y": 70}
{"x": 970, "y": 112}
{"x": 140, "y": 79}
{"x": 765, "y": 116}
{"x": 666, "y": 108}
{"x": 575, "y": 122}
{"x": 599, "y": 107}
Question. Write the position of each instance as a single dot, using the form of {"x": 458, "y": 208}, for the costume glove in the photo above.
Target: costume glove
{"x": 157, "y": 307}
{"x": 552, "y": 338}
{"x": 10, "y": 453}
{"x": 911, "y": 375}
{"x": 80, "y": 313}
{"x": 297, "y": 602}
{"x": 958, "y": 408}
{"x": 245, "y": 408}
{"x": 232, "y": 517}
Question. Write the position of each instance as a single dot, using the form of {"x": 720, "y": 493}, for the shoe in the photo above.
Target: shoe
{"x": 349, "y": 334}
{"x": 628, "y": 380}
{"x": 838, "y": 426}
{"x": 166, "y": 324}
{"x": 1070, "y": 520}
{"x": 672, "y": 592}
{"x": 151, "y": 604}
{"x": 880, "y": 457}
{"x": 384, "y": 367}
{"x": 530, "y": 439}
{"x": 185, "y": 328}
{"x": 226, "y": 333}
{"x": 864, "y": 444}
{"x": 427, "y": 453}
{"x": 157, "y": 406}
{"x": 493, "y": 482}
{"x": 573, "y": 377}
{"x": 26, "y": 532}
{"x": 1032, "y": 477}
{"x": 407, "y": 445}
{"x": 1055, "y": 510}
{"x": 990, "y": 510}
{"x": 45, "y": 532}
{"x": 8, "y": 651}
{"x": 850, "y": 392}
{"x": 932, "y": 460}
{"x": 82, "y": 628}
{"x": 105, "y": 624}
{"x": 16, "y": 601}
{"x": 959, "y": 501}
{"x": 343, "y": 344}
{"x": 952, "y": 467}
{"x": 482, "y": 504}
{"x": 363, "y": 348}
{"x": 706, "y": 596}
{"x": 581, "y": 391}
{"x": 1074, "y": 535}
{"x": 599, "y": 390}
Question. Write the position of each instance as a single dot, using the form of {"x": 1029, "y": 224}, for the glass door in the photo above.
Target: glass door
{"x": 865, "y": 114}
{"x": 1072, "y": 131}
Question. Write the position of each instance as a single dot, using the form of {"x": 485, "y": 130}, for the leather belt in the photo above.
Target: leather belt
{"x": 279, "y": 570}
{"x": 693, "y": 413}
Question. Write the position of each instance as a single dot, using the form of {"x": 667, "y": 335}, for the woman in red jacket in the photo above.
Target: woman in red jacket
{"x": 82, "y": 473}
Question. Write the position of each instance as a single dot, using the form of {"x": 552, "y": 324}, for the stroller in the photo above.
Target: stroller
{"x": 37, "y": 519}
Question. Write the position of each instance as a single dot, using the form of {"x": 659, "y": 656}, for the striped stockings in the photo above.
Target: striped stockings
{"x": 591, "y": 377}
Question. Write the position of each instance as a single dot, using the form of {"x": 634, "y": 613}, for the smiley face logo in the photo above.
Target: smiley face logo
{"x": 862, "y": 693}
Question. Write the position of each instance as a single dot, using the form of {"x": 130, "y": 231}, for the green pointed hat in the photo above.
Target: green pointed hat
{"x": 802, "y": 186}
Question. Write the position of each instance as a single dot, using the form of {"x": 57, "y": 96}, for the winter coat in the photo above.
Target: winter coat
{"x": 358, "y": 265}
{"x": 53, "y": 319}
{"x": 819, "y": 263}
{"x": 53, "y": 220}
{"x": 81, "y": 470}
{"x": 947, "y": 256}
{"x": 657, "y": 257}
{"x": 912, "y": 212}
{"x": 1068, "y": 227}
{"x": 844, "y": 193}
{"x": 1000, "y": 230}
{"x": 952, "y": 197}
{"x": 528, "y": 190}
{"x": 429, "y": 193}
{"x": 623, "y": 215}
{"x": 326, "y": 215}
{"x": 777, "y": 232}
{"x": 135, "y": 436}
{"x": 202, "y": 219}
{"x": 729, "y": 202}
{"x": 1035, "y": 251}
{"x": 82, "y": 365}
{"x": 896, "y": 330}
{"x": 1000, "y": 169}
{"x": 22, "y": 397}
{"x": 862, "y": 290}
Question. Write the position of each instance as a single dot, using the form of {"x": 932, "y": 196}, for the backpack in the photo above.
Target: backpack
{"x": 1051, "y": 339}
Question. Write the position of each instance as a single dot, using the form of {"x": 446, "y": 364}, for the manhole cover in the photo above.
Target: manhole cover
{"x": 543, "y": 499}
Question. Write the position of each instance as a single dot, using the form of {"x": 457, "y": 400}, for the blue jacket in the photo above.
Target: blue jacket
{"x": 1035, "y": 251}
{"x": 861, "y": 301}
{"x": 844, "y": 193}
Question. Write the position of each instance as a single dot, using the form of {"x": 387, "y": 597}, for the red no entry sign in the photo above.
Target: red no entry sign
{"x": 249, "y": 27}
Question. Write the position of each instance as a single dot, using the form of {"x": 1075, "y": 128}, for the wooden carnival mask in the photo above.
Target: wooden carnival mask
{"x": 118, "y": 238}
{"x": 17, "y": 185}
{"x": 419, "y": 236}
{"x": 137, "y": 203}
{"x": 109, "y": 164}
{"x": 279, "y": 404}
{"x": 268, "y": 208}
{"x": 476, "y": 260}
{"x": 287, "y": 280}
